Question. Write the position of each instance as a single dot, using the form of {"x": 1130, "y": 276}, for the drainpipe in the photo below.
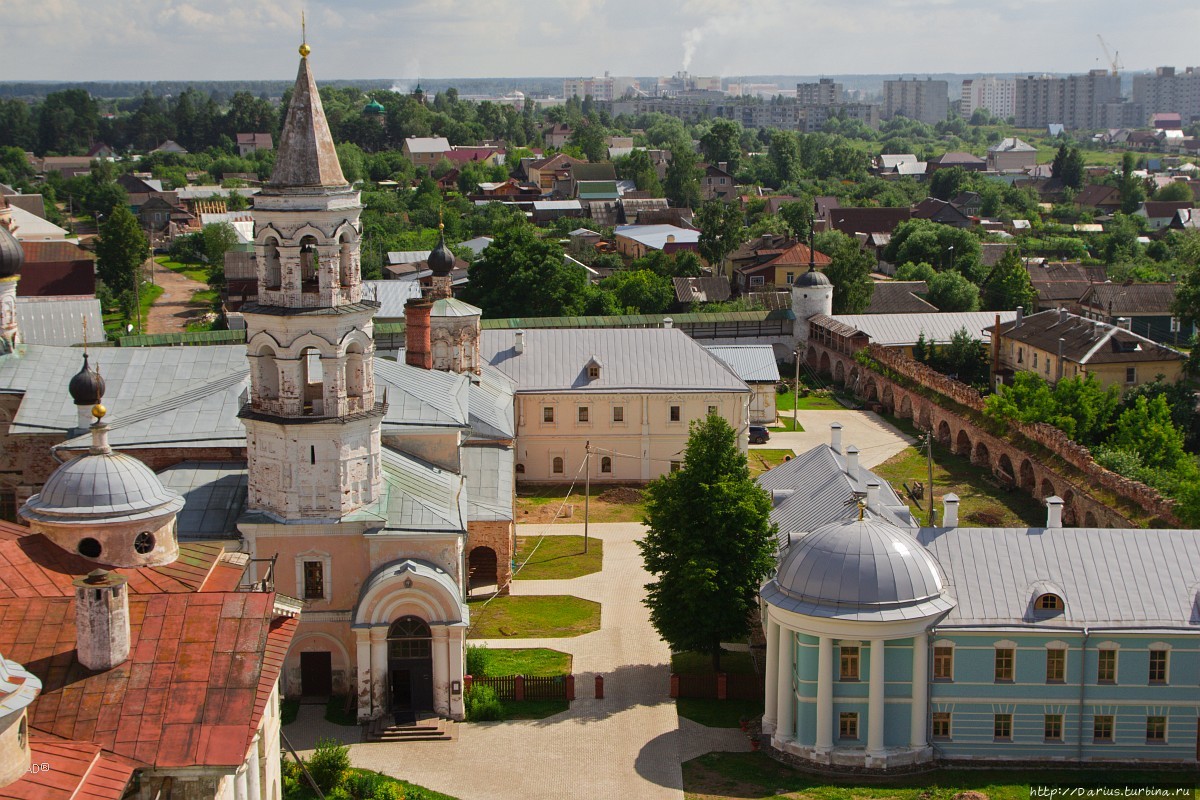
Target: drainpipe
{"x": 1082, "y": 688}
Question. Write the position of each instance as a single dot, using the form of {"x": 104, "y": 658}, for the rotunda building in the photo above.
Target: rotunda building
{"x": 847, "y": 618}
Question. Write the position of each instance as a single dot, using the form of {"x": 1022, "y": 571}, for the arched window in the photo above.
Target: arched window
{"x": 345, "y": 262}
{"x": 606, "y": 464}
{"x": 410, "y": 637}
{"x": 558, "y": 465}
{"x": 273, "y": 273}
{"x": 268, "y": 373}
{"x": 309, "y": 260}
{"x": 1048, "y": 602}
{"x": 356, "y": 377}
{"x": 520, "y": 469}
{"x": 314, "y": 381}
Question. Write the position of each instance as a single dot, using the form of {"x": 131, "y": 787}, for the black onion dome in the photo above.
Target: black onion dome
{"x": 86, "y": 387}
{"x": 441, "y": 260}
{"x": 11, "y": 254}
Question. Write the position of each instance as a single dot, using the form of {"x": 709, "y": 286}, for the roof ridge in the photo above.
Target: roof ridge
{"x": 172, "y": 402}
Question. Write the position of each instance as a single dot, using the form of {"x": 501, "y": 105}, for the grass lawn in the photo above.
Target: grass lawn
{"x": 982, "y": 501}
{"x": 608, "y": 503}
{"x": 786, "y": 424}
{"x": 196, "y": 272}
{"x": 762, "y": 459}
{"x": 305, "y": 792}
{"x": 718, "y": 713}
{"x": 531, "y": 617}
{"x": 754, "y": 776}
{"x": 558, "y": 557}
{"x": 533, "y": 709}
{"x": 114, "y": 323}
{"x": 536, "y": 662}
{"x": 813, "y": 402}
{"x": 688, "y": 663}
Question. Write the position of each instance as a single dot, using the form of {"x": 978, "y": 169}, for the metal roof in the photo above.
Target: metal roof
{"x": 59, "y": 320}
{"x": 391, "y": 296}
{"x": 637, "y": 359}
{"x": 214, "y": 496}
{"x": 634, "y": 320}
{"x": 490, "y": 476}
{"x": 753, "y": 363}
{"x": 903, "y": 330}
{"x": 656, "y": 236}
{"x": 421, "y": 397}
{"x": 417, "y": 496}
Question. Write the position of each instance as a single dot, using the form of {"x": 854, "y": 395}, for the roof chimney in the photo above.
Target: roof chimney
{"x": 1062, "y": 314}
{"x": 835, "y": 437}
{"x": 852, "y": 462}
{"x": 418, "y": 350}
{"x": 1020, "y": 316}
{"x": 873, "y": 496}
{"x": 778, "y": 496}
{"x": 101, "y": 619}
{"x": 668, "y": 322}
{"x": 1054, "y": 511}
{"x": 519, "y": 342}
{"x": 950, "y": 511}
{"x": 1124, "y": 323}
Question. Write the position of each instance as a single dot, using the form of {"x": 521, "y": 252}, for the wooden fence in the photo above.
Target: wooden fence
{"x": 523, "y": 687}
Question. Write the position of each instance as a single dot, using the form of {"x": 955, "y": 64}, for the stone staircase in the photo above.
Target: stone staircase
{"x": 424, "y": 729}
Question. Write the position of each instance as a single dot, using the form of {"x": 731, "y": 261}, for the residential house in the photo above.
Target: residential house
{"x": 851, "y": 221}
{"x": 967, "y": 161}
{"x": 449, "y": 181}
{"x": 634, "y": 241}
{"x": 549, "y": 210}
{"x": 1011, "y": 154}
{"x": 1146, "y": 306}
{"x": 717, "y": 183}
{"x": 101, "y": 151}
{"x": 425, "y": 151}
{"x": 1059, "y": 344}
{"x": 970, "y": 203}
{"x": 66, "y": 166}
{"x": 628, "y": 393}
{"x": 779, "y": 269}
{"x": 544, "y": 172}
{"x": 754, "y": 364}
{"x": 899, "y": 297}
{"x": 583, "y": 239}
{"x": 943, "y": 212}
{"x": 172, "y": 147}
{"x": 700, "y": 290}
{"x": 1160, "y": 213}
{"x": 1059, "y": 283}
{"x": 459, "y": 156}
{"x": 248, "y": 143}
{"x": 753, "y": 251}
{"x": 557, "y": 135}
{"x": 888, "y": 162}
{"x": 1101, "y": 198}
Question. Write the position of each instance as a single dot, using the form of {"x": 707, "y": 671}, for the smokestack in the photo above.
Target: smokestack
{"x": 418, "y": 350}
{"x": 101, "y": 619}
{"x": 1054, "y": 509}
{"x": 852, "y": 462}
{"x": 950, "y": 511}
{"x": 519, "y": 342}
{"x": 1020, "y": 316}
{"x": 835, "y": 437}
{"x": 873, "y": 496}
{"x": 1124, "y": 323}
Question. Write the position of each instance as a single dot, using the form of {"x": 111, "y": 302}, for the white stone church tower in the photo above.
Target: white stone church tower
{"x": 312, "y": 420}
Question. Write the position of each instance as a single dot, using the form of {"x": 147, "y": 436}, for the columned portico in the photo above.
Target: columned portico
{"x": 875, "y": 702}
{"x": 785, "y": 725}
{"x": 824, "y": 742}
{"x": 920, "y": 695}
{"x": 770, "y": 712}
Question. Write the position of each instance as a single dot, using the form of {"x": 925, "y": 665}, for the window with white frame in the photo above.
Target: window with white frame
{"x": 618, "y": 413}
{"x": 547, "y": 413}
{"x": 1158, "y": 666}
{"x": 313, "y": 574}
{"x": 583, "y": 414}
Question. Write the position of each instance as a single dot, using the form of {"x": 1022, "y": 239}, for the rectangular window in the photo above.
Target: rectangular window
{"x": 1052, "y": 728}
{"x": 1035, "y": 355}
{"x": 1158, "y": 666}
{"x": 849, "y": 663}
{"x": 583, "y": 413}
{"x": 1102, "y": 728}
{"x": 1156, "y": 729}
{"x": 8, "y": 505}
{"x": 548, "y": 414}
{"x": 790, "y": 278}
{"x": 1106, "y": 666}
{"x": 675, "y": 413}
{"x": 1005, "y": 656}
{"x": 618, "y": 413}
{"x": 314, "y": 580}
{"x": 712, "y": 410}
{"x": 1021, "y": 356}
{"x": 941, "y": 725}
{"x": 757, "y": 280}
{"x": 848, "y": 725}
{"x": 1175, "y": 325}
{"x": 943, "y": 663}
{"x": 1002, "y": 727}
{"x": 1131, "y": 374}
{"x": 1056, "y": 666}
{"x": 676, "y": 466}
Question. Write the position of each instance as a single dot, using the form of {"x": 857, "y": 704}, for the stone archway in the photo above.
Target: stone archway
{"x": 825, "y": 368}
{"x": 871, "y": 391}
{"x": 810, "y": 358}
{"x": 482, "y": 566}
{"x": 982, "y": 457}
{"x": 839, "y": 372}
{"x": 1028, "y": 478}
{"x": 1005, "y": 471}
{"x": 906, "y": 408}
{"x": 888, "y": 399}
{"x": 962, "y": 445}
{"x": 1090, "y": 521}
{"x": 924, "y": 418}
{"x": 1070, "y": 512}
{"x": 943, "y": 433}
{"x": 1047, "y": 489}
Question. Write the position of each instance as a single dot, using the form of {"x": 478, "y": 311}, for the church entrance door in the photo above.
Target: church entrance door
{"x": 410, "y": 665}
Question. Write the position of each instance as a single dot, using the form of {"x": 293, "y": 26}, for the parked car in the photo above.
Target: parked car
{"x": 759, "y": 434}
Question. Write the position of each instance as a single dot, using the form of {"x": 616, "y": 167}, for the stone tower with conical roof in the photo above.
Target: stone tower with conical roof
{"x": 312, "y": 420}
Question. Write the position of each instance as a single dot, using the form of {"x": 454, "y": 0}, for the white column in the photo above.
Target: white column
{"x": 253, "y": 771}
{"x": 920, "y": 689}
{"x": 875, "y": 700}
{"x": 825, "y": 695}
{"x": 239, "y": 784}
{"x": 379, "y": 670}
{"x": 362, "y": 637}
{"x": 441, "y": 669}
{"x": 785, "y": 725}
{"x": 454, "y": 645}
{"x": 770, "y": 711}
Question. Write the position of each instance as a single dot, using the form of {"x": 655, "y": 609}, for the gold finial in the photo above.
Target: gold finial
{"x": 98, "y": 411}
{"x": 862, "y": 510}
{"x": 84, "y": 318}
{"x": 304, "y": 48}
{"x": 441, "y": 224}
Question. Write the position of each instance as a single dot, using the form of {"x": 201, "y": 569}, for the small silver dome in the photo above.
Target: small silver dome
{"x": 859, "y": 567}
{"x": 813, "y": 278}
{"x": 106, "y": 487}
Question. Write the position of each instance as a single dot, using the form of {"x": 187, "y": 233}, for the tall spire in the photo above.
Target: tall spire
{"x": 306, "y": 155}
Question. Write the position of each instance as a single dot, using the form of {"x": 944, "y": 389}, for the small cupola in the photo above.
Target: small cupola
{"x": 87, "y": 390}
{"x": 593, "y": 368}
{"x": 18, "y": 689}
{"x": 101, "y": 619}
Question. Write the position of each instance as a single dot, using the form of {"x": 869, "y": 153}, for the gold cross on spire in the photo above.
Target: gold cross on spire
{"x": 304, "y": 48}
{"x": 84, "y": 318}
{"x": 441, "y": 224}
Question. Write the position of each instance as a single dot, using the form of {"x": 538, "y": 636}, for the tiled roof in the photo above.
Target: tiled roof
{"x": 1085, "y": 341}
{"x": 701, "y": 290}
{"x": 899, "y": 297}
{"x": 37, "y": 252}
{"x": 200, "y": 669}
{"x": 74, "y": 771}
{"x": 1130, "y": 299}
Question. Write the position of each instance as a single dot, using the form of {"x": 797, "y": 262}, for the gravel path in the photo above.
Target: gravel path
{"x": 173, "y": 310}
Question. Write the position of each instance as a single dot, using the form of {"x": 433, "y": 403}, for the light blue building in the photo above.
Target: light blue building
{"x": 890, "y": 646}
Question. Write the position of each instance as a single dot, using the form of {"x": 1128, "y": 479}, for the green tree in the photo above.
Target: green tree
{"x": 722, "y": 142}
{"x": 909, "y": 271}
{"x": 950, "y": 291}
{"x": 709, "y": 543}
{"x": 640, "y": 291}
{"x": 590, "y": 137}
{"x": 682, "y": 185}
{"x": 521, "y": 274}
{"x": 721, "y": 228}
{"x": 1131, "y": 188}
{"x": 1146, "y": 428}
{"x": 1068, "y": 166}
{"x": 214, "y": 242}
{"x": 121, "y": 248}
{"x": 1009, "y": 286}
{"x": 849, "y": 271}
{"x": 799, "y": 217}
{"x": 1176, "y": 190}
{"x": 638, "y": 167}
{"x": 946, "y": 183}
{"x": 784, "y": 153}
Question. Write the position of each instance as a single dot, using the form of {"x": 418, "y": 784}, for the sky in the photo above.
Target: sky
{"x": 402, "y": 39}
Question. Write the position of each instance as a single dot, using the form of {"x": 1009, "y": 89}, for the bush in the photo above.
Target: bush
{"x": 362, "y": 785}
{"x": 389, "y": 790}
{"x": 479, "y": 659}
{"x": 329, "y": 764}
{"x": 482, "y": 705}
{"x": 293, "y": 778}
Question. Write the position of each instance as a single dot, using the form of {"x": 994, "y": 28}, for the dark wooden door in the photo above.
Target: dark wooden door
{"x": 316, "y": 674}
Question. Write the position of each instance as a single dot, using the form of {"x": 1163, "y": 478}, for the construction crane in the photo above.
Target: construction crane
{"x": 1113, "y": 58}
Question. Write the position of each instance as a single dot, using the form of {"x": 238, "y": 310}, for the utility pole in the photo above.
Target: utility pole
{"x": 929, "y": 462}
{"x": 587, "y": 491}
{"x": 796, "y": 391}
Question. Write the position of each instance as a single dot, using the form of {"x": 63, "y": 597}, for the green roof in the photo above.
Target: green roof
{"x": 188, "y": 338}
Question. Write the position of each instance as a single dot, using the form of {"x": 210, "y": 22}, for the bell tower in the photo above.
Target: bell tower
{"x": 312, "y": 419}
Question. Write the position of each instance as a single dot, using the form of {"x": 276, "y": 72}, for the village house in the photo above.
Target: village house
{"x": 634, "y": 241}
{"x": 778, "y": 268}
{"x": 1011, "y": 155}
{"x": 1147, "y": 307}
{"x": 425, "y": 151}
{"x": 717, "y": 182}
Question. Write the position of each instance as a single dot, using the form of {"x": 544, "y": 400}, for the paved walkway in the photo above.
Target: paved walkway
{"x": 629, "y": 745}
{"x": 877, "y": 439}
{"x": 173, "y": 309}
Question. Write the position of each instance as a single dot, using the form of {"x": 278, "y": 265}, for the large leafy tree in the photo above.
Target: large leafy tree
{"x": 950, "y": 291}
{"x": 722, "y": 142}
{"x": 943, "y": 246}
{"x": 1068, "y": 166}
{"x": 721, "y": 227}
{"x": 589, "y": 136}
{"x": 640, "y": 291}
{"x": 638, "y": 167}
{"x": 849, "y": 271}
{"x": 121, "y": 248}
{"x": 682, "y": 185}
{"x": 1146, "y": 428}
{"x": 709, "y": 543}
{"x": 1076, "y": 406}
{"x": 1009, "y": 286}
{"x": 521, "y": 274}
{"x": 1131, "y": 187}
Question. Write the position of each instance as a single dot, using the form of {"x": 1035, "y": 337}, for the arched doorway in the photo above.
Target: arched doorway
{"x": 410, "y": 665}
{"x": 964, "y": 444}
{"x": 481, "y": 567}
{"x": 943, "y": 433}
